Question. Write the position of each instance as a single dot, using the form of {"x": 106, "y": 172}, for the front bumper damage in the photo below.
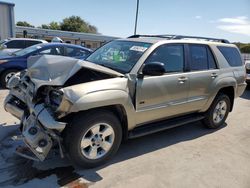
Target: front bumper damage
{"x": 40, "y": 130}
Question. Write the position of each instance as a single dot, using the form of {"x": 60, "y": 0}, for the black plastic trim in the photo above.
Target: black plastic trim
{"x": 163, "y": 125}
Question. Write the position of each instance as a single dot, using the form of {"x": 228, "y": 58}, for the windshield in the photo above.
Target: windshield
{"x": 28, "y": 50}
{"x": 118, "y": 55}
{"x": 2, "y": 41}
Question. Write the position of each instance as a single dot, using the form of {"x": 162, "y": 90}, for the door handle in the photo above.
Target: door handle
{"x": 183, "y": 79}
{"x": 214, "y": 75}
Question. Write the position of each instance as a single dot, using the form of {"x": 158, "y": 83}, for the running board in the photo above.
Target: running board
{"x": 163, "y": 125}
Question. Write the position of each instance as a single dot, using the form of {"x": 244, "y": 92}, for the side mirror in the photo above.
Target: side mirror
{"x": 153, "y": 69}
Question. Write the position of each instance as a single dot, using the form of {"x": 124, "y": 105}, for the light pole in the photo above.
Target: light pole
{"x": 136, "y": 16}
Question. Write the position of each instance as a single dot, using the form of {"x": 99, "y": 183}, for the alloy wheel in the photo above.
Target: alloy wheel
{"x": 219, "y": 111}
{"x": 97, "y": 141}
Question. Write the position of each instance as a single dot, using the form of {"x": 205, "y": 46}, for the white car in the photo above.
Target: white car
{"x": 247, "y": 64}
{"x": 11, "y": 45}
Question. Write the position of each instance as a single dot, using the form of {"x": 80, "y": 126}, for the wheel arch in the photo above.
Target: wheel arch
{"x": 118, "y": 110}
{"x": 230, "y": 92}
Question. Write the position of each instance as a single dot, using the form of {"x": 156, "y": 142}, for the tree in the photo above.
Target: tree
{"x": 92, "y": 29}
{"x": 44, "y": 26}
{"x": 72, "y": 23}
{"x": 24, "y": 23}
{"x": 245, "y": 49}
{"x": 77, "y": 24}
{"x": 52, "y": 25}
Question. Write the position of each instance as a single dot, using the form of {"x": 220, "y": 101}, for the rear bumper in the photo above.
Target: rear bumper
{"x": 240, "y": 89}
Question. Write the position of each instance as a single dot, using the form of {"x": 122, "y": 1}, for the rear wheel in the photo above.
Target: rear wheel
{"x": 6, "y": 75}
{"x": 218, "y": 112}
{"x": 93, "y": 138}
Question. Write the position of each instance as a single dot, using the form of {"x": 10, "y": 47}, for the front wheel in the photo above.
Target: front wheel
{"x": 218, "y": 112}
{"x": 6, "y": 75}
{"x": 93, "y": 138}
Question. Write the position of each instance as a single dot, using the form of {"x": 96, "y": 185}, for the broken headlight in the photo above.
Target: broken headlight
{"x": 55, "y": 98}
{"x": 57, "y": 102}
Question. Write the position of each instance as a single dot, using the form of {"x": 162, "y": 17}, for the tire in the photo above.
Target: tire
{"x": 5, "y": 74}
{"x": 218, "y": 111}
{"x": 94, "y": 150}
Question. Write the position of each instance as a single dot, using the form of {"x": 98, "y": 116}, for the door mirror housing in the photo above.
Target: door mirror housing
{"x": 153, "y": 69}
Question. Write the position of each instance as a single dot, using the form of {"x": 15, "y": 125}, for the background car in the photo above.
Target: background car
{"x": 247, "y": 64}
{"x": 14, "y": 44}
{"x": 17, "y": 61}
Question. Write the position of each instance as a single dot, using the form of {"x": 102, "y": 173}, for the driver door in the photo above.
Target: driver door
{"x": 163, "y": 96}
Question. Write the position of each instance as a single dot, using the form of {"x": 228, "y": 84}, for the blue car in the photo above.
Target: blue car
{"x": 17, "y": 61}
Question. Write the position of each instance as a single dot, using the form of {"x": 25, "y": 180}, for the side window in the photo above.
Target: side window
{"x": 16, "y": 44}
{"x": 52, "y": 51}
{"x": 199, "y": 58}
{"x": 172, "y": 56}
{"x": 84, "y": 53}
{"x": 76, "y": 52}
{"x": 232, "y": 55}
{"x": 44, "y": 52}
{"x": 31, "y": 43}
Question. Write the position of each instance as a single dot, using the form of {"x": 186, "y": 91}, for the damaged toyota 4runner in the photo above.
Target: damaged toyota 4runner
{"x": 125, "y": 89}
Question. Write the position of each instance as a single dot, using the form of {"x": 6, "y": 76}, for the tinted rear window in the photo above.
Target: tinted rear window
{"x": 232, "y": 55}
{"x": 16, "y": 44}
{"x": 31, "y": 43}
{"x": 199, "y": 60}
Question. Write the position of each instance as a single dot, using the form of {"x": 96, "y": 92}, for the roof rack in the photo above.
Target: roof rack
{"x": 157, "y": 36}
{"x": 171, "y": 37}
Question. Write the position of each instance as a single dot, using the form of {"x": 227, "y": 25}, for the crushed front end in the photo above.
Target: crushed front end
{"x": 39, "y": 127}
{"x": 45, "y": 94}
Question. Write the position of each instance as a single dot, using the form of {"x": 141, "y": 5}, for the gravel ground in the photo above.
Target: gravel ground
{"x": 187, "y": 156}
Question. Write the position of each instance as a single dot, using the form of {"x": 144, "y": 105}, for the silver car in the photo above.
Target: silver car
{"x": 125, "y": 89}
{"x": 12, "y": 45}
{"x": 247, "y": 64}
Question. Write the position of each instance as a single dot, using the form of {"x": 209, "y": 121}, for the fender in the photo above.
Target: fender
{"x": 221, "y": 83}
{"x": 106, "y": 98}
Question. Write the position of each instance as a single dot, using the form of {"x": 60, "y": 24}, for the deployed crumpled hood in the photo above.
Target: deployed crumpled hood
{"x": 56, "y": 70}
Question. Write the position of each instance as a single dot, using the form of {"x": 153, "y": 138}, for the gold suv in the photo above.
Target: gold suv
{"x": 125, "y": 89}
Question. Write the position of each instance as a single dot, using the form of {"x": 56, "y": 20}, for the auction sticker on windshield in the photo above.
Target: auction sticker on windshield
{"x": 138, "y": 48}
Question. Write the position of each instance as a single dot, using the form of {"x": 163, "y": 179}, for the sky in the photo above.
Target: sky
{"x": 229, "y": 19}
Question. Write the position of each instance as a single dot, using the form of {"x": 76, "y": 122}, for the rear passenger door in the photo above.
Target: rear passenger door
{"x": 202, "y": 76}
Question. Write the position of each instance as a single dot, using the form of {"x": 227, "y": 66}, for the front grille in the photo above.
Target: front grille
{"x": 27, "y": 85}
{"x": 248, "y": 71}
